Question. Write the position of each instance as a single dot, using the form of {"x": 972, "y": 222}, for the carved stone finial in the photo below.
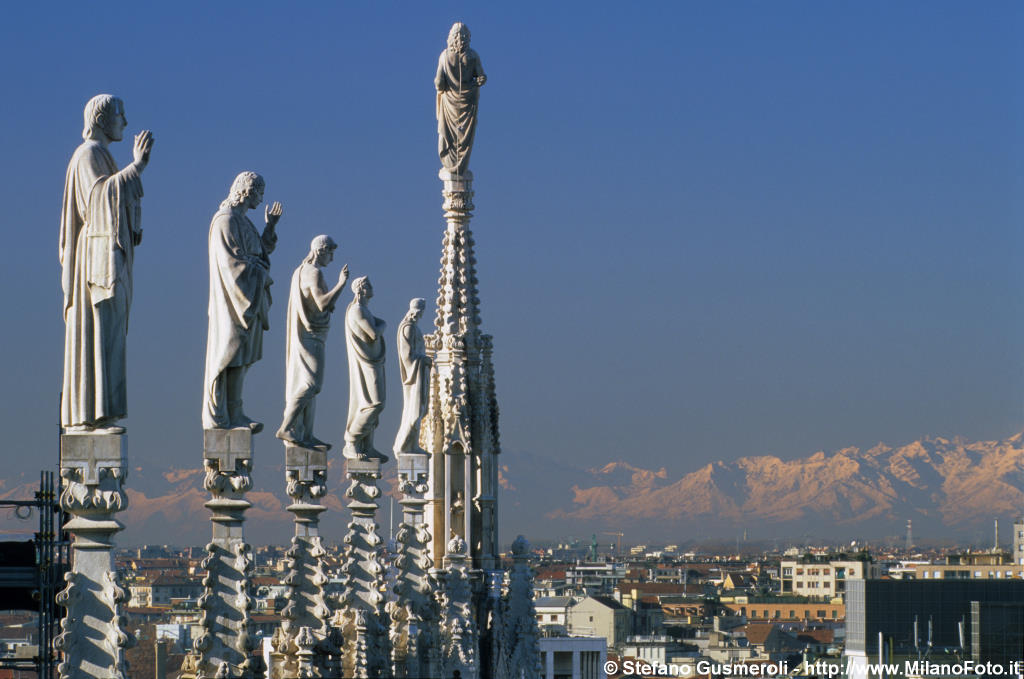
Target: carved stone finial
{"x": 521, "y": 546}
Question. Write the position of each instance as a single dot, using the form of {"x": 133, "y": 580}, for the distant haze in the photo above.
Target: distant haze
{"x": 951, "y": 489}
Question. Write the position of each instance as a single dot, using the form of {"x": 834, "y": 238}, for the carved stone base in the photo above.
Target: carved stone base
{"x": 225, "y": 646}
{"x": 412, "y": 609}
{"x": 93, "y": 638}
{"x": 362, "y": 619}
{"x": 305, "y": 635}
{"x": 458, "y": 196}
{"x": 460, "y": 640}
{"x": 517, "y": 636}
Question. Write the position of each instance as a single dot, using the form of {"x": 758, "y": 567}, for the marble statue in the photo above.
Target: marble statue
{"x": 310, "y": 305}
{"x": 459, "y": 78}
{"x": 364, "y": 340}
{"x": 100, "y": 227}
{"x": 458, "y": 514}
{"x": 414, "y": 366}
{"x": 239, "y": 301}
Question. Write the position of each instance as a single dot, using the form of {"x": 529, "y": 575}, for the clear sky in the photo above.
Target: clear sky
{"x": 704, "y": 230}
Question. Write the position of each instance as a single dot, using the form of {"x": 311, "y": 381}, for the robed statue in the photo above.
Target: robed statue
{"x": 239, "y": 300}
{"x": 310, "y": 305}
{"x": 414, "y": 366}
{"x": 100, "y": 225}
{"x": 459, "y": 78}
{"x": 364, "y": 341}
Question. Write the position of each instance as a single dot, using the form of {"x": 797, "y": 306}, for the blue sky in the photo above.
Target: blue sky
{"x": 704, "y": 230}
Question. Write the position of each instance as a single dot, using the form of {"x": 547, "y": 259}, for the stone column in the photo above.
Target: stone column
{"x": 413, "y": 609}
{"x": 93, "y": 639}
{"x": 521, "y": 634}
{"x": 361, "y": 617}
{"x": 305, "y": 631}
{"x": 460, "y": 429}
{"x": 493, "y": 645}
{"x": 460, "y": 640}
{"x": 225, "y": 646}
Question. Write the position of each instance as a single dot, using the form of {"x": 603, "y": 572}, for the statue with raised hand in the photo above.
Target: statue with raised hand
{"x": 460, "y": 75}
{"x": 240, "y": 300}
{"x": 310, "y": 305}
{"x": 101, "y": 224}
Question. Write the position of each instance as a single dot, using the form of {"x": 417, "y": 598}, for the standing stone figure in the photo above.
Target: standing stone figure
{"x": 364, "y": 340}
{"x": 99, "y": 229}
{"x": 310, "y": 305}
{"x": 414, "y": 366}
{"x": 459, "y": 78}
{"x": 239, "y": 301}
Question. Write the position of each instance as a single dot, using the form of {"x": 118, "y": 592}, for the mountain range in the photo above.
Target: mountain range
{"x": 947, "y": 487}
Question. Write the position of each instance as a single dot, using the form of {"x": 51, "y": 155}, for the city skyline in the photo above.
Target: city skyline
{"x": 702, "y": 232}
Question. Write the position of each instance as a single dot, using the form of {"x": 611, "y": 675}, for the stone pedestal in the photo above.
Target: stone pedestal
{"x": 93, "y": 639}
{"x": 304, "y": 638}
{"x": 518, "y": 634}
{"x": 225, "y": 646}
{"x": 412, "y": 608}
{"x": 460, "y": 638}
{"x": 361, "y": 617}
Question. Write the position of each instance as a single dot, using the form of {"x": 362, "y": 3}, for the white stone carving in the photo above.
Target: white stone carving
{"x": 101, "y": 224}
{"x": 460, "y": 75}
{"x": 461, "y": 424}
{"x": 93, "y": 637}
{"x": 364, "y": 341}
{"x": 310, "y": 304}
{"x": 361, "y": 617}
{"x": 518, "y": 632}
{"x": 412, "y": 608}
{"x": 305, "y": 634}
{"x": 226, "y": 645}
{"x": 239, "y": 301}
{"x": 414, "y": 367}
{"x": 460, "y": 636}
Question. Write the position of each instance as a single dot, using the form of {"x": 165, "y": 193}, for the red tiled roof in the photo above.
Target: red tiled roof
{"x": 757, "y": 632}
{"x": 549, "y": 574}
{"x": 816, "y": 636}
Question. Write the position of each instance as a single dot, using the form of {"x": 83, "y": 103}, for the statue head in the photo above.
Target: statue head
{"x": 247, "y": 189}
{"x": 416, "y": 307}
{"x": 104, "y": 115}
{"x": 321, "y": 250}
{"x": 458, "y": 37}
{"x": 361, "y": 288}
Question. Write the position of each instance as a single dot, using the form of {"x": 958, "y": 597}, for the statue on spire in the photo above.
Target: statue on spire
{"x": 459, "y": 78}
{"x": 365, "y": 348}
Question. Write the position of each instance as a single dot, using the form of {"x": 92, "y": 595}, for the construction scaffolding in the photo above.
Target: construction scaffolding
{"x": 32, "y": 571}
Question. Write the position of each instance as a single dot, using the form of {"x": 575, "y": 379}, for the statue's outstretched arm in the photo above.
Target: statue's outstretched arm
{"x": 325, "y": 299}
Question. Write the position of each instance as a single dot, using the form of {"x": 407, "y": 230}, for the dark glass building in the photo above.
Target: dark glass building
{"x": 991, "y": 612}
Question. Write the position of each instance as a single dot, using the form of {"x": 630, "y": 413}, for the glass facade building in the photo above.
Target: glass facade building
{"x": 990, "y": 610}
